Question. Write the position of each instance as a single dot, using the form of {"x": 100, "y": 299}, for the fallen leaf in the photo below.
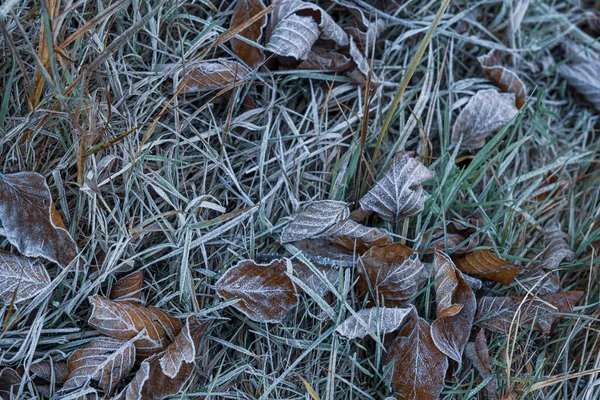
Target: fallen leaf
{"x": 47, "y": 370}
{"x": 478, "y": 353}
{"x": 584, "y": 77}
{"x": 166, "y": 374}
{"x": 456, "y": 306}
{"x": 392, "y": 273}
{"x": 450, "y": 237}
{"x": 315, "y": 220}
{"x": 129, "y": 287}
{"x": 378, "y": 321}
{"x": 539, "y": 281}
{"x": 326, "y": 252}
{"x": 125, "y": 320}
{"x": 499, "y": 313}
{"x": 26, "y": 276}
{"x": 243, "y": 11}
{"x": 10, "y": 381}
{"x": 355, "y": 231}
{"x": 557, "y": 247}
{"x": 485, "y": 264}
{"x": 399, "y": 193}
{"x": 367, "y": 31}
{"x": 321, "y": 59}
{"x": 419, "y": 366}
{"x": 266, "y": 292}
{"x": 105, "y": 360}
{"x": 485, "y": 114}
{"x": 28, "y": 221}
{"x": 503, "y": 78}
{"x": 317, "y": 282}
{"x": 211, "y": 75}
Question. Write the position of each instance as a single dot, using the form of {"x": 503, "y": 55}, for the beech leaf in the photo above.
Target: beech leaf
{"x": 46, "y": 370}
{"x": 211, "y": 75}
{"x": 129, "y": 287}
{"x": 243, "y": 11}
{"x": 392, "y": 273}
{"x": 485, "y": 264}
{"x": 325, "y": 252}
{"x": 499, "y": 313}
{"x": 26, "y": 276}
{"x": 28, "y": 220}
{"x": 10, "y": 381}
{"x": 557, "y": 247}
{"x": 456, "y": 306}
{"x": 125, "y": 320}
{"x": 448, "y": 238}
{"x": 266, "y": 292}
{"x": 317, "y": 282}
{"x": 503, "y": 78}
{"x": 419, "y": 366}
{"x": 485, "y": 114}
{"x": 478, "y": 353}
{"x": 377, "y": 321}
{"x": 315, "y": 220}
{"x": 399, "y": 193}
{"x": 105, "y": 360}
{"x": 584, "y": 78}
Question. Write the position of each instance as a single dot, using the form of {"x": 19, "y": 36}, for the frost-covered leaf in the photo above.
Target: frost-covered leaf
{"x": 317, "y": 281}
{"x": 485, "y": 114}
{"x": 315, "y": 220}
{"x": 584, "y": 77}
{"x": 46, "y": 370}
{"x": 456, "y": 306}
{"x": 378, "y": 321}
{"x": 355, "y": 231}
{"x": 26, "y": 213}
{"x": 391, "y": 273}
{"x": 26, "y": 276}
{"x": 166, "y": 374}
{"x": 320, "y": 58}
{"x": 485, "y": 264}
{"x": 210, "y": 75}
{"x": 478, "y": 353}
{"x": 557, "y": 247}
{"x": 399, "y": 193}
{"x": 502, "y": 77}
{"x": 499, "y": 313}
{"x": 128, "y": 287}
{"x": 125, "y": 320}
{"x": 243, "y": 11}
{"x": 367, "y": 30}
{"x": 539, "y": 281}
{"x": 297, "y": 26}
{"x": 266, "y": 292}
{"x": 419, "y": 366}
{"x": 448, "y": 238}
{"x": 105, "y": 360}
{"x": 10, "y": 381}
{"x": 326, "y": 252}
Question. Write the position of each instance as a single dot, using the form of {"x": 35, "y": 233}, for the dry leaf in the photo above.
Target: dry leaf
{"x": 456, "y": 306}
{"x": 10, "y": 380}
{"x": 367, "y": 31}
{"x": 211, "y": 75}
{"x": 485, "y": 264}
{"x": 325, "y": 252}
{"x": 266, "y": 292}
{"x": 497, "y": 313}
{"x": 419, "y": 366}
{"x": 315, "y": 220}
{"x": 485, "y": 114}
{"x": 502, "y": 77}
{"x": 243, "y": 11}
{"x": 151, "y": 382}
{"x": 478, "y": 353}
{"x": 317, "y": 282}
{"x": 125, "y": 320}
{"x": 129, "y": 287}
{"x": 25, "y": 276}
{"x": 584, "y": 77}
{"x": 28, "y": 221}
{"x": 399, "y": 193}
{"x": 355, "y": 231}
{"x": 377, "y": 321}
{"x": 46, "y": 370}
{"x": 324, "y": 59}
{"x": 448, "y": 239}
{"x": 105, "y": 360}
{"x": 392, "y": 272}
{"x": 557, "y": 247}
{"x": 539, "y": 281}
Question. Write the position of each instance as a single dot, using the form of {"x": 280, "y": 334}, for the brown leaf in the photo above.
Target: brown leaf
{"x": 317, "y": 282}
{"x": 503, "y": 78}
{"x": 392, "y": 272}
{"x": 377, "y": 321}
{"x": 419, "y": 366}
{"x": 266, "y": 292}
{"x": 499, "y": 313}
{"x": 9, "y": 383}
{"x": 485, "y": 114}
{"x": 324, "y": 59}
{"x": 485, "y": 264}
{"x": 166, "y": 374}
{"x": 448, "y": 239}
{"x": 211, "y": 75}
{"x": 399, "y": 193}
{"x": 26, "y": 276}
{"x": 584, "y": 77}
{"x": 105, "y": 360}
{"x": 124, "y": 320}
{"x": 456, "y": 306}
{"x": 26, "y": 215}
{"x": 478, "y": 353}
{"x": 243, "y": 11}
{"x": 557, "y": 247}
{"x": 46, "y": 370}
{"x": 129, "y": 287}
{"x": 326, "y": 252}
{"x": 367, "y": 31}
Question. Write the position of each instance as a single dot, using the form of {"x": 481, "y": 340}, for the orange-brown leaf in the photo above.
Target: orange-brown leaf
{"x": 210, "y": 75}
{"x": 266, "y": 292}
{"x": 243, "y": 11}
{"x": 478, "y": 353}
{"x": 503, "y": 78}
{"x": 21, "y": 277}
{"x": 124, "y": 320}
{"x": 449, "y": 238}
{"x": 128, "y": 287}
{"x": 485, "y": 264}
{"x": 419, "y": 366}
{"x": 47, "y": 370}
{"x": 28, "y": 221}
